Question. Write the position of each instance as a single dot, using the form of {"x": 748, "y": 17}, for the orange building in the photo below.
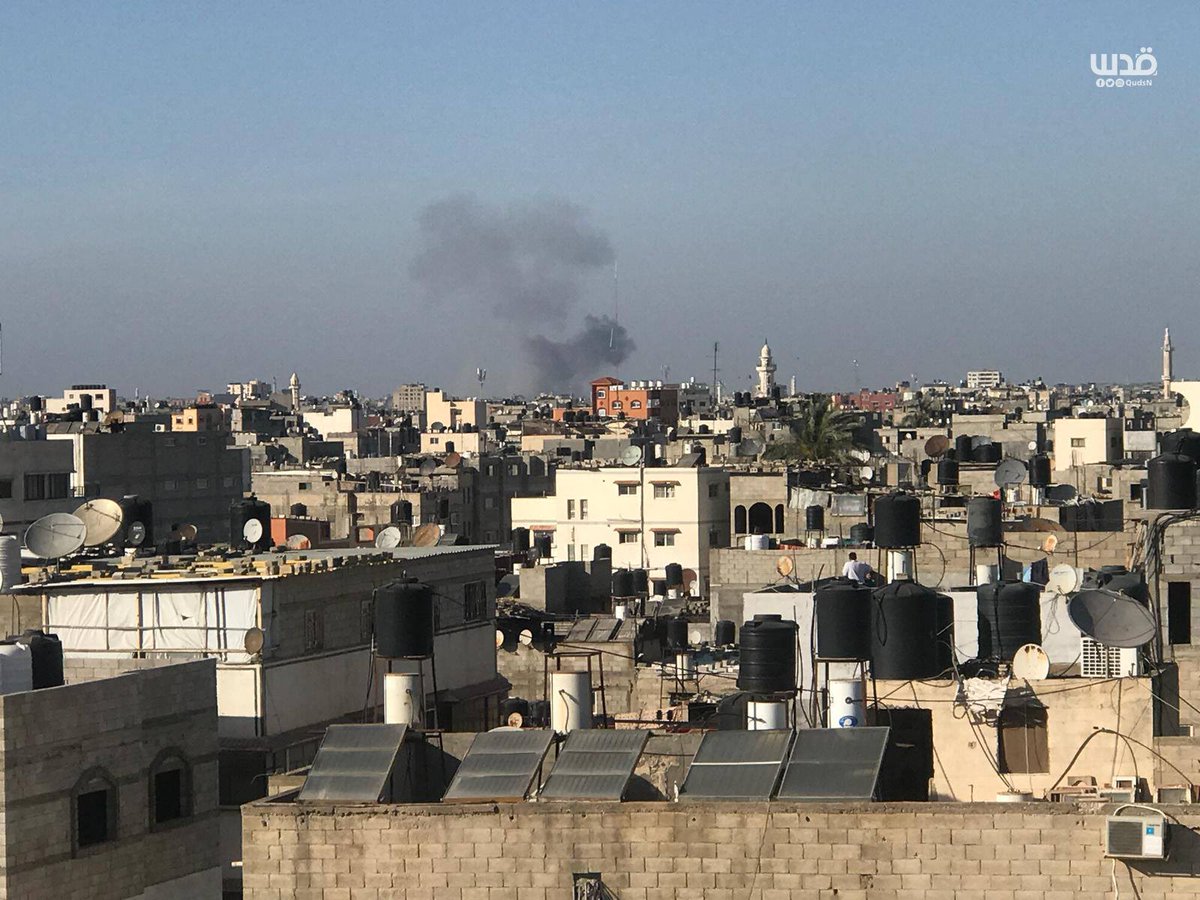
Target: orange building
{"x": 613, "y": 399}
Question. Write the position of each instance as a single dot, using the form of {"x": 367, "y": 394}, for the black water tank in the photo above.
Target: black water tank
{"x": 814, "y": 518}
{"x": 247, "y": 510}
{"x": 36, "y": 403}
{"x": 602, "y": 551}
{"x": 1171, "y": 482}
{"x": 543, "y": 544}
{"x": 1183, "y": 441}
{"x": 404, "y": 620}
{"x": 85, "y": 402}
{"x": 1039, "y": 470}
{"x": 520, "y": 539}
{"x": 843, "y": 609}
{"x": 641, "y": 581}
{"x": 947, "y": 471}
{"x": 945, "y": 633}
{"x": 985, "y": 525}
{"x": 137, "y": 520}
{"x": 677, "y": 632}
{"x": 724, "y": 633}
{"x": 861, "y": 533}
{"x": 402, "y": 512}
{"x": 735, "y": 434}
{"x": 897, "y": 520}
{"x": 990, "y": 452}
{"x": 674, "y": 574}
{"x": 1010, "y": 616}
{"x": 962, "y": 448}
{"x": 298, "y": 510}
{"x": 904, "y": 626}
{"x": 46, "y": 654}
{"x": 767, "y": 663}
{"x": 622, "y": 583}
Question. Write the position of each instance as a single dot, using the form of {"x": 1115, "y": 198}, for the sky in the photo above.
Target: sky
{"x": 198, "y": 193}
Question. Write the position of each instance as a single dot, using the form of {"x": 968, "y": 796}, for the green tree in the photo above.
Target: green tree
{"x": 924, "y": 414}
{"x": 820, "y": 433}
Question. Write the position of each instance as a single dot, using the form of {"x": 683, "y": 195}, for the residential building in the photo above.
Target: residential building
{"x": 1083, "y": 441}
{"x": 453, "y": 414}
{"x": 35, "y": 478}
{"x": 982, "y": 379}
{"x": 637, "y": 400}
{"x": 207, "y": 417}
{"x": 409, "y": 398}
{"x": 99, "y": 397}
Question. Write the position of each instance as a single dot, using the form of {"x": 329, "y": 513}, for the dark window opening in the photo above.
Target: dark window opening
{"x": 242, "y": 777}
{"x": 168, "y": 796}
{"x": 93, "y": 817}
{"x": 1179, "y": 612}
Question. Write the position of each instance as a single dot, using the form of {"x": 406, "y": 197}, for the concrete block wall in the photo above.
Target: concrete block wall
{"x": 719, "y": 851}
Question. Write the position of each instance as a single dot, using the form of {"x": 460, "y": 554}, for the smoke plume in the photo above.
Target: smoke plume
{"x": 528, "y": 264}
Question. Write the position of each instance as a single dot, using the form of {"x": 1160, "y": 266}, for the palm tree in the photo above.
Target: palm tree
{"x": 924, "y": 414}
{"x": 820, "y": 433}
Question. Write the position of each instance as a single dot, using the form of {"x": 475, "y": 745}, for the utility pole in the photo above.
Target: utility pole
{"x": 715, "y": 390}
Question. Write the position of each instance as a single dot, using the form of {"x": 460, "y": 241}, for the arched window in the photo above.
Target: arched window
{"x": 739, "y": 520}
{"x": 779, "y": 518}
{"x": 93, "y": 809}
{"x": 762, "y": 521}
{"x": 170, "y": 788}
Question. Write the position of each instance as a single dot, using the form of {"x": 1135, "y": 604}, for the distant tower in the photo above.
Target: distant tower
{"x": 766, "y": 371}
{"x": 1168, "y": 371}
{"x": 294, "y": 384}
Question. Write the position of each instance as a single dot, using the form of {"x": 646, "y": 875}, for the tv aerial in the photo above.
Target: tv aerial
{"x": 102, "y": 520}
{"x": 55, "y": 536}
{"x": 389, "y": 538}
{"x": 1111, "y": 618}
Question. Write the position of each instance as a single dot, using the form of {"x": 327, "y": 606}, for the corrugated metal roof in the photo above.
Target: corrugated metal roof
{"x": 595, "y": 765}
{"x": 834, "y": 764}
{"x": 736, "y": 765}
{"x": 353, "y": 763}
{"x": 500, "y": 766}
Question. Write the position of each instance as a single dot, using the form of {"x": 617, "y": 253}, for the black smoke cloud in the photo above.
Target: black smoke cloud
{"x": 528, "y": 264}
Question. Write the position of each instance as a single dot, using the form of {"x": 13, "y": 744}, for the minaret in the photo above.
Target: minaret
{"x": 294, "y": 384}
{"x": 1167, "y": 372}
{"x": 766, "y": 371}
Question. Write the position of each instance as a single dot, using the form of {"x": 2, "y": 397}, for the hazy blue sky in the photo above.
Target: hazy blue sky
{"x": 194, "y": 193}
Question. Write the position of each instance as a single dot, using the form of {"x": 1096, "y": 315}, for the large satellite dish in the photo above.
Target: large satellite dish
{"x": 428, "y": 467}
{"x": 252, "y": 531}
{"x": 937, "y": 446}
{"x": 508, "y": 586}
{"x": 389, "y": 538}
{"x": 1031, "y": 663}
{"x": 298, "y": 542}
{"x": 1063, "y": 579}
{"x": 631, "y": 456}
{"x": 102, "y": 519}
{"x": 1113, "y": 619}
{"x": 452, "y": 460}
{"x": 749, "y": 447}
{"x": 252, "y": 640}
{"x": 188, "y": 533}
{"x": 426, "y": 535}
{"x": 1009, "y": 472}
{"x": 55, "y": 535}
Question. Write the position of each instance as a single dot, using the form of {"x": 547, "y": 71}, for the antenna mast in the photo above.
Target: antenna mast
{"x": 715, "y": 389}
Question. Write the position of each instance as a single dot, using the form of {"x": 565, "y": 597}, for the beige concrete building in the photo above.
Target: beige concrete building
{"x": 99, "y": 397}
{"x": 199, "y": 418}
{"x": 452, "y": 414}
{"x": 1079, "y": 442}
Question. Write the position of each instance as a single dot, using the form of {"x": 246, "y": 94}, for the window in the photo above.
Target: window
{"x": 1078, "y": 442}
{"x": 635, "y": 404}
{"x": 600, "y": 393}
{"x": 570, "y": 553}
{"x": 201, "y": 441}
{"x": 664, "y": 491}
{"x": 570, "y": 509}
{"x": 626, "y": 490}
{"x": 314, "y": 629}
{"x": 628, "y": 537}
{"x": 713, "y": 490}
{"x": 583, "y": 509}
{"x": 95, "y": 809}
{"x": 474, "y": 601}
{"x": 202, "y": 484}
{"x": 583, "y": 551}
{"x": 170, "y": 485}
{"x": 305, "y": 485}
{"x": 489, "y": 502}
{"x": 227, "y": 481}
{"x": 664, "y": 539}
{"x": 714, "y": 538}
{"x": 46, "y": 486}
{"x": 1023, "y": 745}
{"x": 514, "y": 469}
{"x": 5, "y": 488}
{"x": 616, "y": 404}
{"x": 1179, "y": 612}
{"x": 170, "y": 788}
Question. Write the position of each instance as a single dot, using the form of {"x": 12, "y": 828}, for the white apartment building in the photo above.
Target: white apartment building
{"x": 981, "y": 379}
{"x": 99, "y": 397}
{"x": 649, "y": 515}
{"x": 1081, "y": 442}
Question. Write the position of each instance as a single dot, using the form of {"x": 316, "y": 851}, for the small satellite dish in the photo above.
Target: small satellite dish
{"x": 937, "y": 446}
{"x": 1063, "y": 579}
{"x": 860, "y": 455}
{"x": 1031, "y": 663}
{"x": 866, "y": 473}
{"x": 525, "y": 637}
{"x": 428, "y": 467}
{"x": 515, "y": 720}
{"x": 253, "y": 641}
{"x": 252, "y": 531}
{"x": 784, "y": 566}
{"x": 1113, "y": 619}
{"x": 1033, "y": 446}
{"x": 298, "y": 542}
{"x": 389, "y": 538}
{"x": 689, "y": 579}
{"x": 426, "y": 535}
{"x": 1061, "y": 493}
{"x": 508, "y": 586}
{"x": 55, "y": 535}
{"x": 1050, "y": 544}
{"x": 453, "y": 460}
{"x": 188, "y": 532}
{"x": 749, "y": 447}
{"x": 499, "y": 638}
{"x": 102, "y": 519}
{"x": 696, "y": 638}
{"x": 1010, "y": 472}
{"x": 631, "y": 456}
{"x": 135, "y": 536}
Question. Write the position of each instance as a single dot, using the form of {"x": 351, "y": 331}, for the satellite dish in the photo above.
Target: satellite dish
{"x": 253, "y": 641}
{"x": 1064, "y": 579}
{"x": 784, "y": 566}
{"x": 188, "y": 532}
{"x": 749, "y": 447}
{"x": 696, "y": 638}
{"x": 136, "y": 534}
{"x": 508, "y": 586}
{"x": 252, "y": 531}
{"x": 298, "y": 542}
{"x": 1113, "y": 619}
{"x": 689, "y": 579}
{"x": 631, "y": 456}
{"x": 866, "y": 473}
{"x": 1033, "y": 446}
{"x": 937, "y": 446}
{"x": 452, "y": 460}
{"x": 1009, "y": 472}
{"x": 428, "y": 467}
{"x": 515, "y": 720}
{"x": 499, "y": 638}
{"x": 980, "y": 440}
{"x": 1061, "y": 493}
{"x": 1032, "y": 523}
{"x": 55, "y": 535}
{"x": 860, "y": 455}
{"x": 1050, "y": 544}
{"x": 1031, "y": 663}
{"x": 389, "y": 538}
{"x": 525, "y": 637}
{"x": 426, "y": 535}
{"x": 102, "y": 519}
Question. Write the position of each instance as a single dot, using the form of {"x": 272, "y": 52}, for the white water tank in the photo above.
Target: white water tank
{"x": 620, "y": 611}
{"x": 987, "y": 574}
{"x": 847, "y": 706}
{"x": 16, "y": 667}
{"x": 685, "y": 665}
{"x": 900, "y": 565}
{"x": 10, "y": 562}
{"x": 758, "y": 542}
{"x": 570, "y": 701}
{"x": 403, "y": 699}
{"x": 766, "y": 715}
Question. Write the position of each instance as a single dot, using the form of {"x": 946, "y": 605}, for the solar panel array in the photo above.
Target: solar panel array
{"x": 595, "y": 765}
{"x": 736, "y": 765}
{"x": 499, "y": 767}
{"x": 354, "y": 763}
{"x": 834, "y": 764}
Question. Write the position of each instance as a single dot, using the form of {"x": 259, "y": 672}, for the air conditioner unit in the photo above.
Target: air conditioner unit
{"x": 1099, "y": 661}
{"x": 1136, "y": 837}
